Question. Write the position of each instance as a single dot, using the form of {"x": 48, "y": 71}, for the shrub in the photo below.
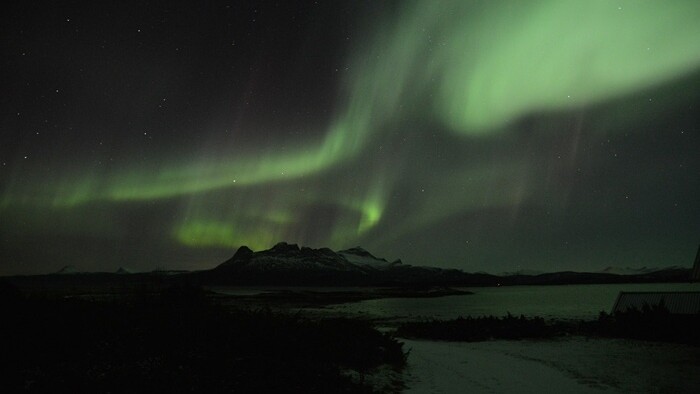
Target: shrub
{"x": 473, "y": 329}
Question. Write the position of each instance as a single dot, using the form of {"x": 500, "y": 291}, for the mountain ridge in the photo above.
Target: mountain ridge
{"x": 289, "y": 264}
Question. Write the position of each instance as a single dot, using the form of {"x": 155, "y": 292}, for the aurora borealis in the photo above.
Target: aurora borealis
{"x": 482, "y": 135}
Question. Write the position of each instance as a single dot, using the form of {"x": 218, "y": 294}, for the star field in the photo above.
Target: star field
{"x": 485, "y": 136}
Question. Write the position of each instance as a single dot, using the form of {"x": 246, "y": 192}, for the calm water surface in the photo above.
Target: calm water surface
{"x": 561, "y": 302}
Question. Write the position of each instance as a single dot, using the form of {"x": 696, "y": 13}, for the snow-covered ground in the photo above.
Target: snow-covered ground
{"x": 571, "y": 365}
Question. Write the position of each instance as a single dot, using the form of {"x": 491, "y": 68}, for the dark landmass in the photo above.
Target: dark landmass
{"x": 651, "y": 323}
{"x": 181, "y": 341}
{"x": 569, "y": 277}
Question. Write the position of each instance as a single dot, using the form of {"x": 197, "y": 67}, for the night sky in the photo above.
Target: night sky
{"x": 482, "y": 135}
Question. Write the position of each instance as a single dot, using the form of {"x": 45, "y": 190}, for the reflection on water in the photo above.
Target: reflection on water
{"x": 562, "y": 302}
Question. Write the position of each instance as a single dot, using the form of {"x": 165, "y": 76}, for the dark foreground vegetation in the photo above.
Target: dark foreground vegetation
{"x": 653, "y": 323}
{"x": 179, "y": 341}
{"x": 474, "y": 329}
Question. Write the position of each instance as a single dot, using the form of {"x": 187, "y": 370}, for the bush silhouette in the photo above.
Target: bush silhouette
{"x": 650, "y": 322}
{"x": 480, "y": 328}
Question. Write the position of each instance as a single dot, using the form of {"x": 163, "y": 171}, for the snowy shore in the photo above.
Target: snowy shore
{"x": 570, "y": 365}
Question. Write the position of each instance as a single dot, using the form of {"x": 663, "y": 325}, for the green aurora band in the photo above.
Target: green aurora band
{"x": 474, "y": 67}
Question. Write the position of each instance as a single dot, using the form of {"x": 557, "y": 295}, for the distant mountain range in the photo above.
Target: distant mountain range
{"x": 289, "y": 265}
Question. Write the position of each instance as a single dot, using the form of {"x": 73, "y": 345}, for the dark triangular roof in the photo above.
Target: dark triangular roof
{"x": 695, "y": 275}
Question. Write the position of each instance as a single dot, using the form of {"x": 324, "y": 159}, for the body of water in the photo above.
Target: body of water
{"x": 560, "y": 302}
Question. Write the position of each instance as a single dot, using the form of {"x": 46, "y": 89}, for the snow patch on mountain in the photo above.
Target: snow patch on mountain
{"x": 637, "y": 271}
{"x": 361, "y": 257}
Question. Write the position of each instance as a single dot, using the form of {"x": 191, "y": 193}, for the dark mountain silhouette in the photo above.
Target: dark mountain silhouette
{"x": 288, "y": 264}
